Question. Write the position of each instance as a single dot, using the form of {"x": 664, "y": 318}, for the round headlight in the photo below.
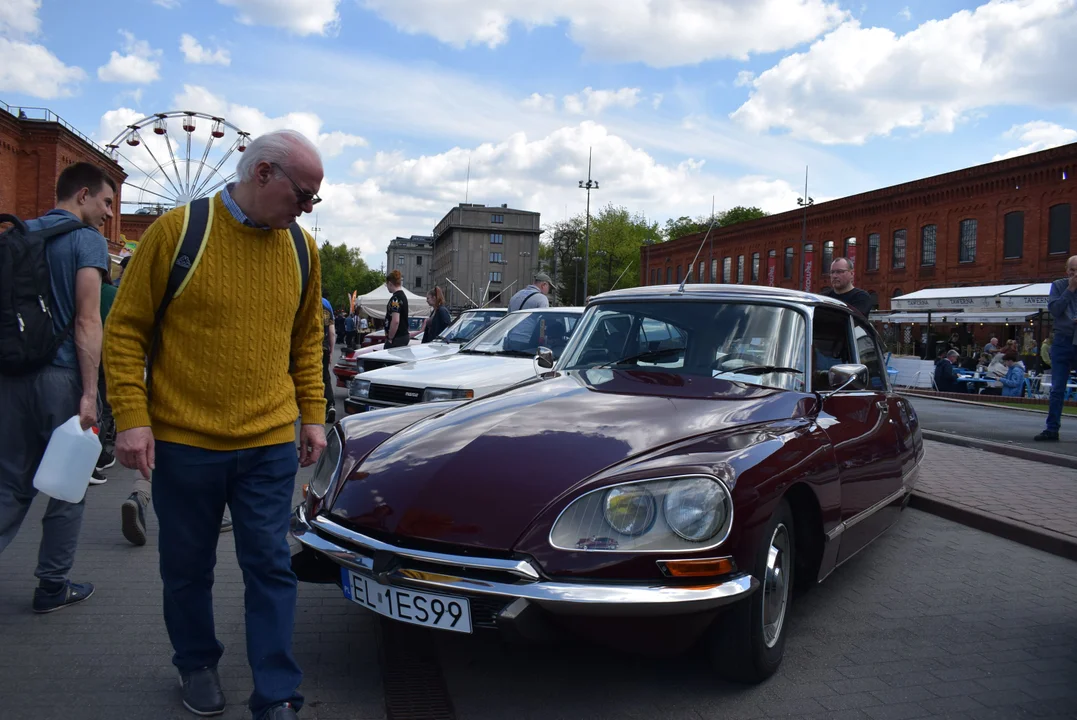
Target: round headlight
{"x": 696, "y": 509}
{"x": 630, "y": 510}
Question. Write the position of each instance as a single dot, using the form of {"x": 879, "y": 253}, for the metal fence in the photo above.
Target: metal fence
{"x": 40, "y": 114}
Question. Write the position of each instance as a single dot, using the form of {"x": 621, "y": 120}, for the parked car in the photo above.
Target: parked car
{"x": 497, "y": 358}
{"x": 416, "y": 326}
{"x": 346, "y": 367}
{"x": 467, "y": 326}
{"x": 691, "y": 457}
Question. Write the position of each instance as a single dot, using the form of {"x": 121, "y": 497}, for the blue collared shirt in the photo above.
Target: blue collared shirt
{"x": 237, "y": 212}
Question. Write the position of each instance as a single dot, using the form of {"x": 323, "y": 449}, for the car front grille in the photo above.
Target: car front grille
{"x": 395, "y": 394}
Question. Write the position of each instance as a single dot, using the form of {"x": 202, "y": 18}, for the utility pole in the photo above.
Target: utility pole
{"x": 804, "y": 202}
{"x": 315, "y": 229}
{"x": 588, "y": 186}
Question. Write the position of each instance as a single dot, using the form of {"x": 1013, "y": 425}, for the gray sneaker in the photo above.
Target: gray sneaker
{"x": 133, "y": 519}
{"x": 284, "y": 711}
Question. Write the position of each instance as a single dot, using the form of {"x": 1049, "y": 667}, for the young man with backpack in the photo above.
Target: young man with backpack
{"x": 50, "y": 352}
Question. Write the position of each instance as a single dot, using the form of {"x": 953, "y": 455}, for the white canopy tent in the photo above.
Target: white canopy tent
{"x": 982, "y": 297}
{"x": 374, "y": 302}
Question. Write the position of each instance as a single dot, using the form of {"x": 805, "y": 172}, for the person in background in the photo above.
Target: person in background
{"x": 396, "y": 312}
{"x": 35, "y": 404}
{"x": 364, "y": 327}
{"x": 1013, "y": 384}
{"x": 1062, "y": 304}
{"x": 991, "y": 347}
{"x": 340, "y": 322}
{"x": 946, "y": 376}
{"x": 123, "y": 268}
{"x": 329, "y": 339}
{"x": 439, "y": 314}
{"x": 1045, "y": 354}
{"x": 841, "y": 287}
{"x": 349, "y": 332}
{"x": 534, "y": 295}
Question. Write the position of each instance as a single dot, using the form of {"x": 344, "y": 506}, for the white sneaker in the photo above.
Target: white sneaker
{"x": 97, "y": 478}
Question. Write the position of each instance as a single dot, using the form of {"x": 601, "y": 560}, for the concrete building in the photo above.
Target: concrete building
{"x": 413, "y": 257}
{"x": 485, "y": 254}
{"x": 35, "y": 146}
{"x": 1009, "y": 221}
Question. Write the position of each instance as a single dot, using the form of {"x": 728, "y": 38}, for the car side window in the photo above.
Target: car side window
{"x": 868, "y": 352}
{"x": 830, "y": 345}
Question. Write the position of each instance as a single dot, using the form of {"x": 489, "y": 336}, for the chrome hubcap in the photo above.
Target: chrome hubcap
{"x": 776, "y": 586}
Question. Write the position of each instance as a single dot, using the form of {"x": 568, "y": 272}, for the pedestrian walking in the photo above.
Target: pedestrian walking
{"x": 439, "y": 314}
{"x": 57, "y": 374}
{"x": 1062, "y": 304}
{"x": 231, "y": 364}
{"x": 349, "y": 332}
{"x": 396, "y": 312}
{"x": 534, "y": 295}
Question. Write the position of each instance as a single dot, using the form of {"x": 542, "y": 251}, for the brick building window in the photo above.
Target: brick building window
{"x": 828, "y": 257}
{"x": 727, "y": 269}
{"x": 897, "y": 257}
{"x": 850, "y": 247}
{"x": 787, "y": 264}
{"x": 928, "y": 245}
{"x": 495, "y": 276}
{"x": 755, "y": 267}
{"x": 702, "y": 270}
{"x": 497, "y": 218}
{"x": 714, "y": 270}
{"x": 1013, "y": 238}
{"x": 1058, "y": 229}
{"x": 495, "y": 257}
{"x": 967, "y": 248}
{"x": 680, "y": 276}
{"x": 873, "y": 251}
{"x": 740, "y": 269}
{"x": 497, "y": 238}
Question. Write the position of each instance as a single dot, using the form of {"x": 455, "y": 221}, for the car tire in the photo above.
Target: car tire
{"x": 747, "y": 642}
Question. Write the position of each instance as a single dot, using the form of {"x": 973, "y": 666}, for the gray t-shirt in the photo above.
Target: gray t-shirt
{"x": 529, "y": 297}
{"x": 67, "y": 255}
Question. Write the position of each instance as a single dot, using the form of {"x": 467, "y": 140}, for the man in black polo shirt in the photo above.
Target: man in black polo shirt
{"x": 841, "y": 287}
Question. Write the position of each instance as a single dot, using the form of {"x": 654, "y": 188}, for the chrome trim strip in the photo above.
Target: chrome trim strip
{"x": 841, "y": 527}
{"x": 557, "y": 597}
{"x": 520, "y": 568}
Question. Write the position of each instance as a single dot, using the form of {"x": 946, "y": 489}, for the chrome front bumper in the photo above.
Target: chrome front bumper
{"x": 516, "y": 579}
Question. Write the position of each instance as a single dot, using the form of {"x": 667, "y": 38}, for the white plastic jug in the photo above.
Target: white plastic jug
{"x": 64, "y": 472}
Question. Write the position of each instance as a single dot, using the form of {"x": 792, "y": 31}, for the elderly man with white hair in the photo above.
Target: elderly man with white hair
{"x": 231, "y": 364}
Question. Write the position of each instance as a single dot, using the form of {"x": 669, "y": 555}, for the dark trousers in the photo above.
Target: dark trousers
{"x": 1063, "y": 360}
{"x": 190, "y": 489}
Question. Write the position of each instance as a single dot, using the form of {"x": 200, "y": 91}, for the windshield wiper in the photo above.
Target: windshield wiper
{"x": 760, "y": 370}
{"x": 516, "y": 353}
{"x": 649, "y": 355}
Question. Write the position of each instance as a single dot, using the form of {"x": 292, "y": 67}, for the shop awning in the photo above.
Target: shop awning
{"x": 982, "y": 297}
{"x": 907, "y": 318}
{"x": 1030, "y": 296}
{"x": 998, "y": 317}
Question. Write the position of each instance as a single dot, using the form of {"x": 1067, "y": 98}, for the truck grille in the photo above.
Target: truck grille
{"x": 395, "y": 394}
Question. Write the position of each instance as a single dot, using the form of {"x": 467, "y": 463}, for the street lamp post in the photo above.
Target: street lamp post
{"x": 576, "y": 282}
{"x": 804, "y": 202}
{"x": 588, "y": 186}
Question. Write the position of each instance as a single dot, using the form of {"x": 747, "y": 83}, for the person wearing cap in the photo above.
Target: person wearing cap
{"x": 534, "y": 295}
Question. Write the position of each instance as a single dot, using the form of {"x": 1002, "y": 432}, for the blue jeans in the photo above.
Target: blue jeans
{"x": 190, "y": 489}
{"x": 1063, "y": 359}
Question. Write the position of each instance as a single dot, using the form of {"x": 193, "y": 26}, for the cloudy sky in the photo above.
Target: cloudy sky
{"x": 681, "y": 100}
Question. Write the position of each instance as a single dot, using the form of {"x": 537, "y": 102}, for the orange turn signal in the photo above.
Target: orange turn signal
{"x": 306, "y": 487}
{"x": 700, "y": 567}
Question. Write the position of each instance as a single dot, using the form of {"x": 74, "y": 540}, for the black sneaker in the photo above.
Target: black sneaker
{"x": 96, "y": 478}
{"x": 331, "y": 416}
{"x": 133, "y": 519}
{"x": 1047, "y": 436}
{"x": 202, "y": 692}
{"x": 70, "y": 594}
{"x": 284, "y": 711}
{"x": 105, "y": 461}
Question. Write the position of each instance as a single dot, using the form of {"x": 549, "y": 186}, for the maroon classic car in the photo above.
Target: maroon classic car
{"x": 694, "y": 454}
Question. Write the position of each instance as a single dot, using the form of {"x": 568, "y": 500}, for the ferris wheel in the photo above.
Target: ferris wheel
{"x": 172, "y": 158}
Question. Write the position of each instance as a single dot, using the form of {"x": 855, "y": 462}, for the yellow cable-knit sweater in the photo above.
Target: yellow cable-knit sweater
{"x": 221, "y": 380}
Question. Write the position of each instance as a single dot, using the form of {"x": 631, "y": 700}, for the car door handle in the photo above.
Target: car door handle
{"x": 883, "y": 406}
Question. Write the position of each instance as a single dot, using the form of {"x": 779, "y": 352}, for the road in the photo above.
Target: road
{"x": 1003, "y": 425}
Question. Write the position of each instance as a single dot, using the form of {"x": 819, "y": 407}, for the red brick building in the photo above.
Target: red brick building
{"x": 35, "y": 146}
{"x": 1004, "y": 222}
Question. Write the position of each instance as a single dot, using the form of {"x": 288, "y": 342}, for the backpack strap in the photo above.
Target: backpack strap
{"x": 302, "y": 259}
{"x": 197, "y": 221}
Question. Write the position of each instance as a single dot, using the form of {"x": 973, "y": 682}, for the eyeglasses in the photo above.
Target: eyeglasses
{"x": 301, "y": 196}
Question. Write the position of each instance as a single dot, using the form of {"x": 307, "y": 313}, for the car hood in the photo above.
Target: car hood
{"x": 465, "y": 371}
{"x": 481, "y": 473}
{"x": 412, "y": 353}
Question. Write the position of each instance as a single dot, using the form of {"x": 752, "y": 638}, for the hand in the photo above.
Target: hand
{"x": 1073, "y": 283}
{"x": 134, "y": 449}
{"x": 311, "y": 444}
{"x": 87, "y": 411}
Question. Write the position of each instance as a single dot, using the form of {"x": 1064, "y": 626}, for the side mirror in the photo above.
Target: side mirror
{"x": 544, "y": 358}
{"x": 848, "y": 377}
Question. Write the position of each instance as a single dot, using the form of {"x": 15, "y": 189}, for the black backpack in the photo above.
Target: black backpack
{"x": 28, "y": 338}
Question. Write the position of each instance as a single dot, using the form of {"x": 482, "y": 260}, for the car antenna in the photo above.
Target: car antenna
{"x": 689, "y": 273}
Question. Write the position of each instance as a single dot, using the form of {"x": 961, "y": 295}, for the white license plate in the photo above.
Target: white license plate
{"x": 411, "y": 606}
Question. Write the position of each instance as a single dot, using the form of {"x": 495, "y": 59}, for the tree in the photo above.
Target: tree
{"x": 563, "y": 242}
{"x": 344, "y": 271}
{"x": 685, "y": 225}
{"x": 738, "y": 214}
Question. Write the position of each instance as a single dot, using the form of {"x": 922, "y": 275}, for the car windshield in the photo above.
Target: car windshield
{"x": 468, "y": 325}
{"x": 751, "y": 343}
{"x": 522, "y": 333}
{"x": 415, "y": 323}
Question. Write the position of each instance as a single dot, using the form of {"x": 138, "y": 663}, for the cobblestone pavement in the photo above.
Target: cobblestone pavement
{"x": 1043, "y": 496}
{"x": 933, "y": 620}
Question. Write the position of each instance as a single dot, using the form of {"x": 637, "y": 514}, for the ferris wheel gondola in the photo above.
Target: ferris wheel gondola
{"x": 181, "y": 173}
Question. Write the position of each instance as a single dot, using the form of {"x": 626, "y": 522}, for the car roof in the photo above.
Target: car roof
{"x": 718, "y": 292}
{"x": 560, "y": 309}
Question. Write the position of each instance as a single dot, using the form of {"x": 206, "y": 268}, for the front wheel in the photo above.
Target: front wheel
{"x": 747, "y": 642}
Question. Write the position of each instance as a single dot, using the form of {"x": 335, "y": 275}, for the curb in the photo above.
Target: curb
{"x": 1018, "y": 532}
{"x": 996, "y": 406}
{"x": 1017, "y": 451}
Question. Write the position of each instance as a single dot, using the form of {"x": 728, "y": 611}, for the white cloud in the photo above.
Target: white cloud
{"x": 28, "y": 68}
{"x": 656, "y": 100}
{"x": 1038, "y": 135}
{"x": 593, "y": 102}
{"x": 744, "y": 77}
{"x": 859, "y": 82}
{"x": 18, "y": 18}
{"x": 660, "y": 33}
{"x": 302, "y": 17}
{"x": 256, "y": 122}
{"x": 139, "y": 65}
{"x": 194, "y": 53}
{"x": 905, "y": 13}
{"x": 544, "y": 103}
{"x": 167, "y": 4}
